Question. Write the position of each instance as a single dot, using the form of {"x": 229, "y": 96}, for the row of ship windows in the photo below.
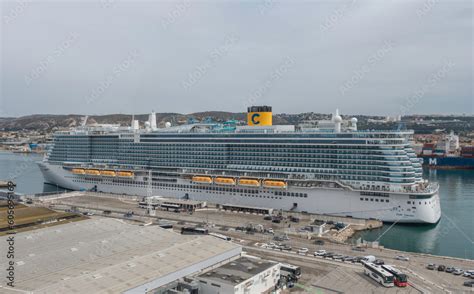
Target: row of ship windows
{"x": 353, "y": 169}
{"x": 419, "y": 202}
{"x": 267, "y": 146}
{"x": 212, "y": 189}
{"x": 281, "y": 163}
{"x": 231, "y": 156}
{"x": 291, "y": 194}
{"x": 374, "y": 199}
{"x": 244, "y": 151}
{"x": 354, "y": 178}
{"x": 235, "y": 155}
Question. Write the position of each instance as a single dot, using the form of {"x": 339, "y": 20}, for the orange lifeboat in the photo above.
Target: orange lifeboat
{"x": 224, "y": 181}
{"x": 202, "y": 179}
{"x": 274, "y": 184}
{"x": 94, "y": 172}
{"x": 127, "y": 174}
{"x": 78, "y": 171}
{"x": 249, "y": 182}
{"x": 108, "y": 173}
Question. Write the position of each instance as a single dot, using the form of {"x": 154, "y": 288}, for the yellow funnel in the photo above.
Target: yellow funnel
{"x": 259, "y": 116}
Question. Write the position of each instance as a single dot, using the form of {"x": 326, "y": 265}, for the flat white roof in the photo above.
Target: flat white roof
{"x": 108, "y": 256}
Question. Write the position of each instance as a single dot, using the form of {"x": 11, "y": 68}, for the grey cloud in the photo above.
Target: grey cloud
{"x": 327, "y": 41}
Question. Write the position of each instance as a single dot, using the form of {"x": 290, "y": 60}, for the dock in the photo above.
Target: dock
{"x": 250, "y": 230}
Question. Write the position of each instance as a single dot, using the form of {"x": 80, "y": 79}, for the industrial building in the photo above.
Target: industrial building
{"x": 109, "y": 256}
{"x": 244, "y": 275}
{"x": 171, "y": 204}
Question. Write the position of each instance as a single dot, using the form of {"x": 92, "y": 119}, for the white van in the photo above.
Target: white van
{"x": 369, "y": 258}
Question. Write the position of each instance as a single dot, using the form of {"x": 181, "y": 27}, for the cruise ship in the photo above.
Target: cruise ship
{"x": 328, "y": 167}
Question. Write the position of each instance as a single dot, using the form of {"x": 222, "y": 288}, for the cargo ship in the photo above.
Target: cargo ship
{"x": 328, "y": 168}
{"x": 447, "y": 154}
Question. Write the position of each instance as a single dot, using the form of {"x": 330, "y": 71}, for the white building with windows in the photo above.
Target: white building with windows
{"x": 244, "y": 275}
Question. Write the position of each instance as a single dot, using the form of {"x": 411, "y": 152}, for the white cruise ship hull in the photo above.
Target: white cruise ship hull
{"x": 400, "y": 208}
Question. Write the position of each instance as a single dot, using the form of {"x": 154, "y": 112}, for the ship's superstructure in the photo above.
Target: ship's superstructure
{"x": 331, "y": 168}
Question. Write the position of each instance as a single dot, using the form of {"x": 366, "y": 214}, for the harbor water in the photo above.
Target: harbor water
{"x": 452, "y": 236}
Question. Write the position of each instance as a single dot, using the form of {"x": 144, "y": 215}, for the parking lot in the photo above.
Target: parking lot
{"x": 320, "y": 275}
{"x": 336, "y": 275}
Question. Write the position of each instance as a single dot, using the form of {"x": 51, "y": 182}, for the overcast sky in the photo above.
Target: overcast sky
{"x": 113, "y": 56}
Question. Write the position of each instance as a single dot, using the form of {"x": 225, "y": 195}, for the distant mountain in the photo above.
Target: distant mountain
{"x": 49, "y": 122}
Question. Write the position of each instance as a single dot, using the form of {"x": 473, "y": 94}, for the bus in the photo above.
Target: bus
{"x": 292, "y": 272}
{"x": 377, "y": 273}
{"x": 399, "y": 278}
{"x": 194, "y": 231}
{"x": 144, "y": 204}
{"x": 220, "y": 236}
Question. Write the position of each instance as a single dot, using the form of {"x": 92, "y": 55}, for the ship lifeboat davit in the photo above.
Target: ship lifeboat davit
{"x": 78, "y": 171}
{"x": 224, "y": 181}
{"x": 126, "y": 174}
{"x": 201, "y": 179}
{"x": 274, "y": 184}
{"x": 249, "y": 182}
{"x": 94, "y": 172}
{"x": 107, "y": 173}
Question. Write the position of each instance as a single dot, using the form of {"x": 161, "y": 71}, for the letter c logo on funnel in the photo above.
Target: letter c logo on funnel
{"x": 254, "y": 116}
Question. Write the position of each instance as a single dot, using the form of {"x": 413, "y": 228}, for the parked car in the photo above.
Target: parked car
{"x": 338, "y": 257}
{"x": 294, "y": 219}
{"x": 285, "y": 247}
{"x": 269, "y": 231}
{"x": 379, "y": 262}
{"x": 431, "y": 266}
{"x": 450, "y": 269}
{"x": 466, "y": 274}
{"x": 457, "y": 271}
{"x": 267, "y": 217}
{"x": 348, "y": 258}
{"x": 319, "y": 242}
{"x": 303, "y": 250}
{"x": 329, "y": 254}
{"x": 340, "y": 226}
{"x": 469, "y": 284}
{"x": 358, "y": 259}
{"x": 401, "y": 257}
{"x": 320, "y": 252}
{"x": 441, "y": 268}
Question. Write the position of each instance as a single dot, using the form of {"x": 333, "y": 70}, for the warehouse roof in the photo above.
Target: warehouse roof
{"x": 108, "y": 256}
{"x": 237, "y": 271}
